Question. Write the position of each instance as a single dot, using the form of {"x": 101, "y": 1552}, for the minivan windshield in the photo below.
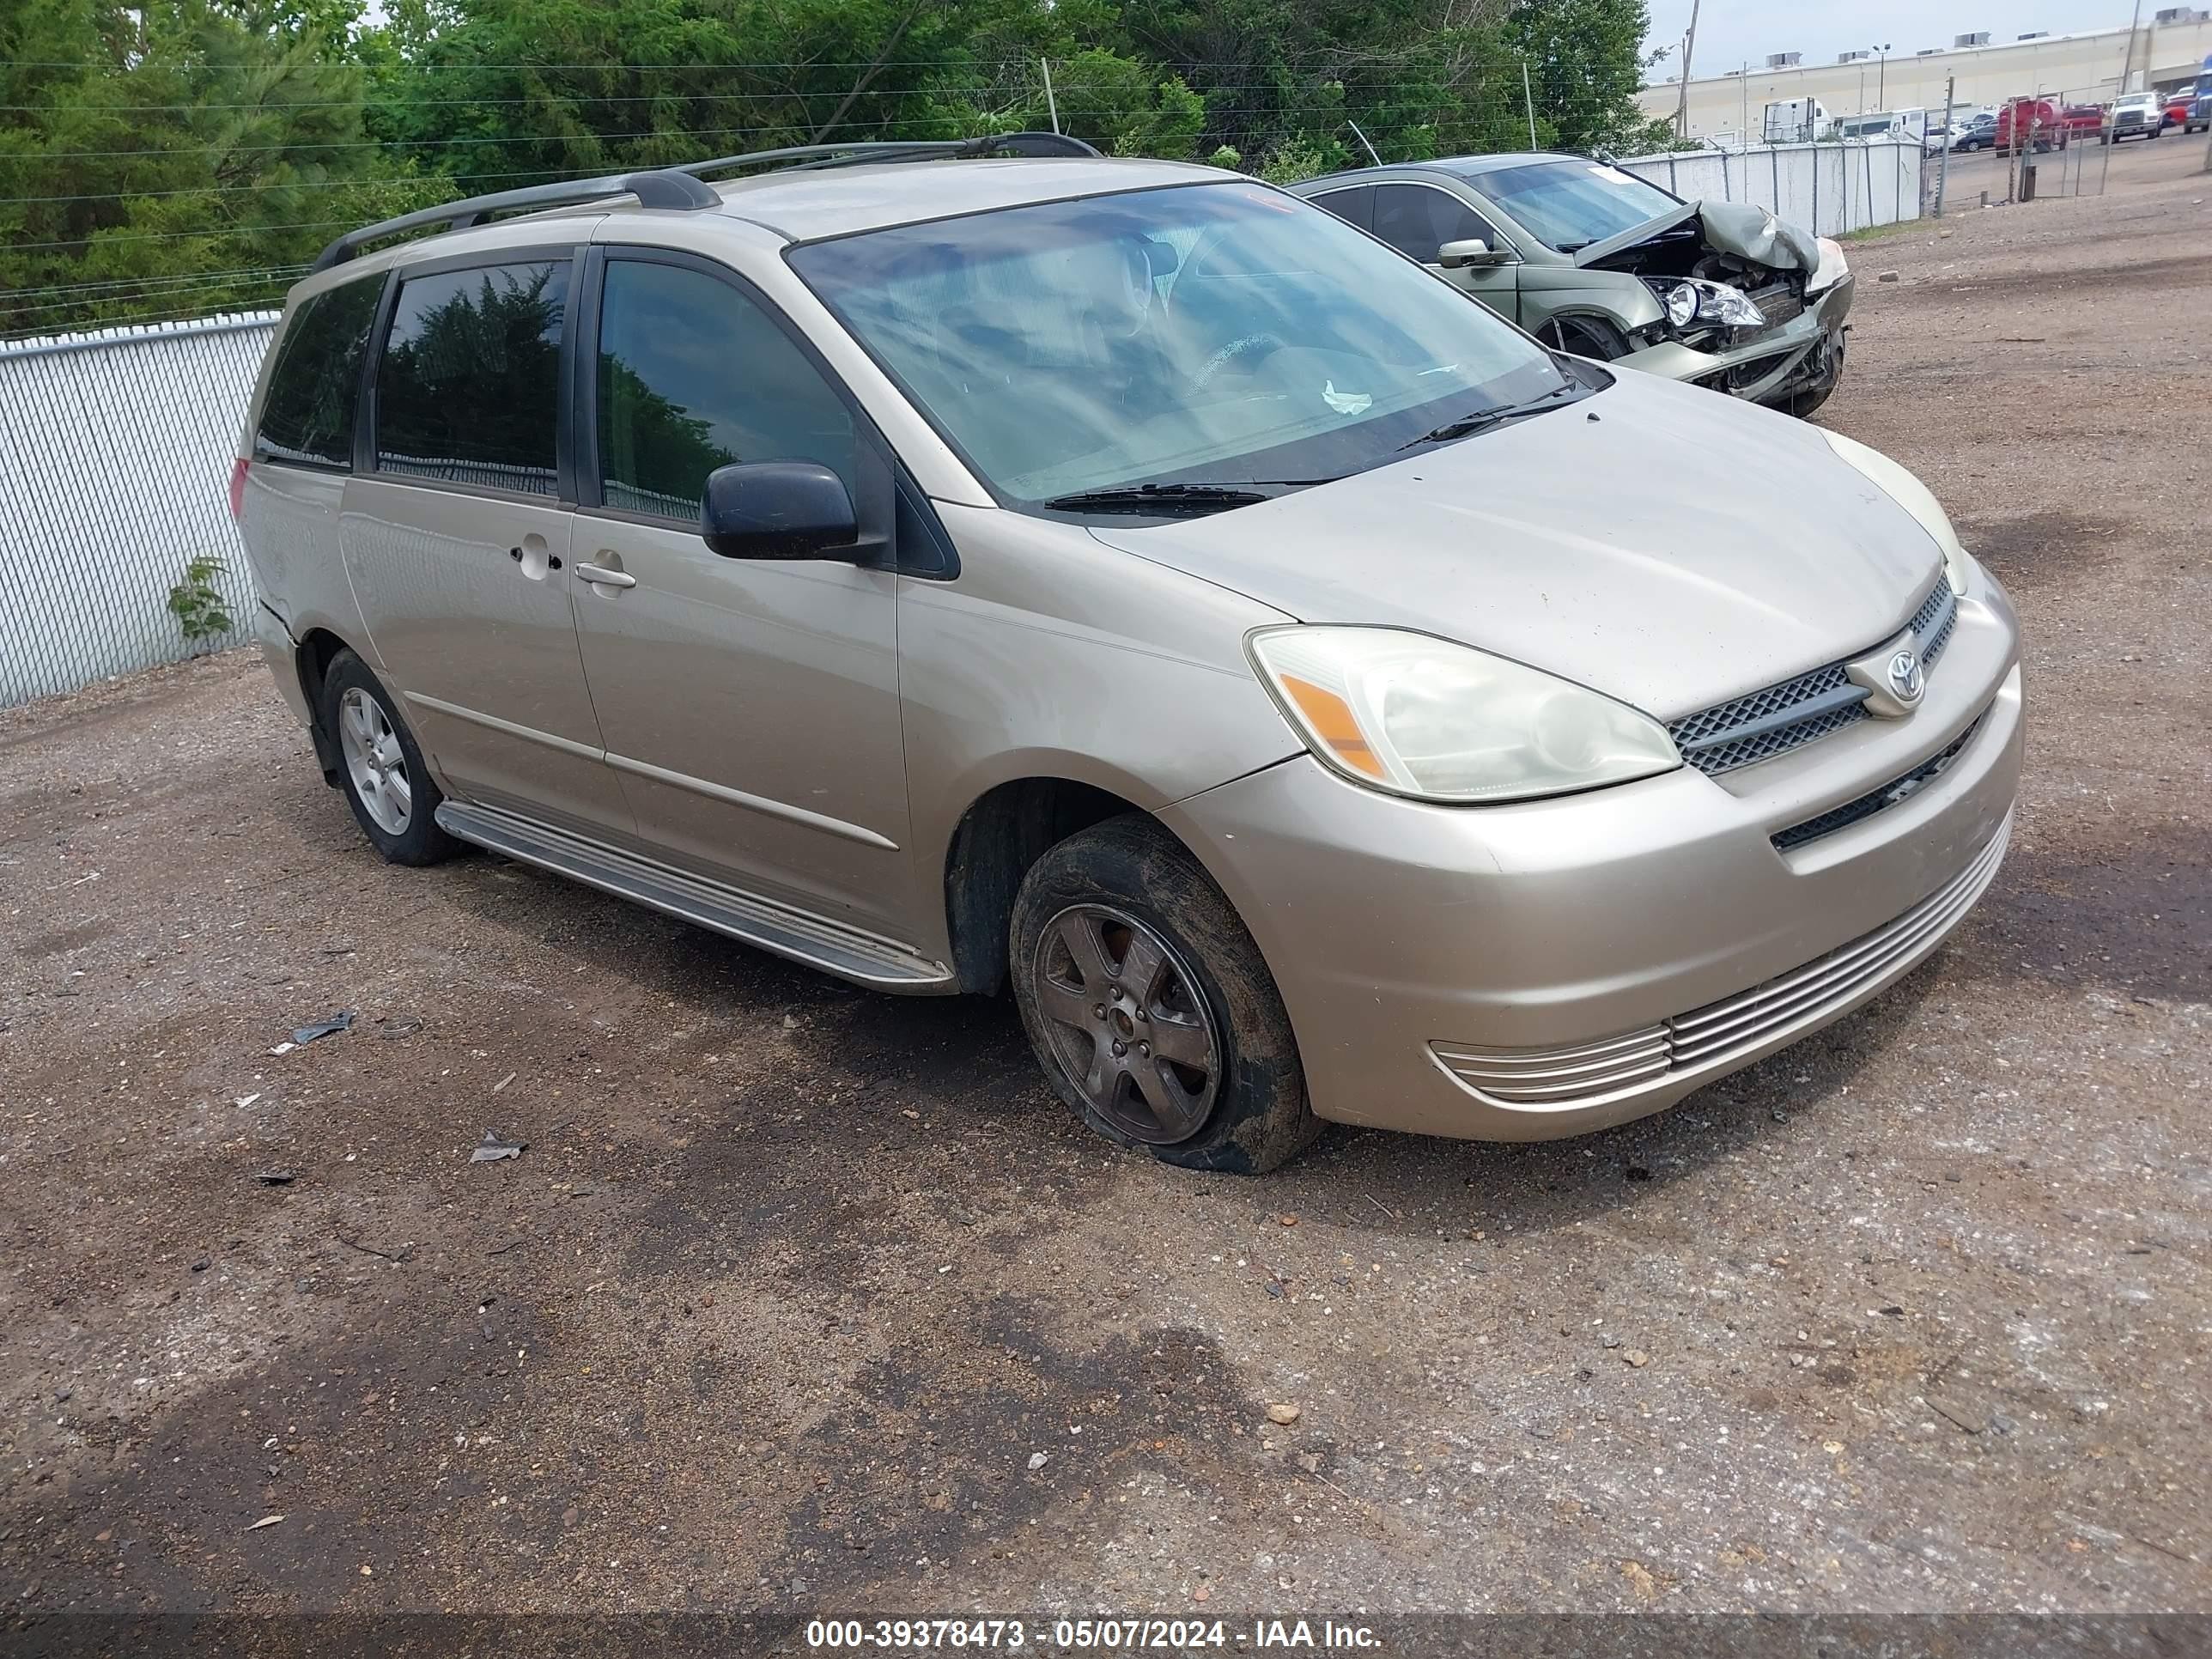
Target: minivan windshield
{"x": 1569, "y": 204}
{"x": 1212, "y": 334}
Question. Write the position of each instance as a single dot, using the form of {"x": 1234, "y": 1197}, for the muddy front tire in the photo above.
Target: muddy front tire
{"x": 1149, "y": 1007}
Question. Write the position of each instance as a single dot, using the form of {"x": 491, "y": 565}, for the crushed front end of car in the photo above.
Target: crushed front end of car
{"x": 1746, "y": 303}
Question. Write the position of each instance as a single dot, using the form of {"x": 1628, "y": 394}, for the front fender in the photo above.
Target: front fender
{"x": 1058, "y": 655}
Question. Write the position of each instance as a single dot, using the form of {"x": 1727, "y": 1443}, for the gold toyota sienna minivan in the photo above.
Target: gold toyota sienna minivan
{"x": 986, "y": 564}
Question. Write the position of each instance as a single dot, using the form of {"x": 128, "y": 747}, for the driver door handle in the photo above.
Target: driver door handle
{"x": 603, "y": 576}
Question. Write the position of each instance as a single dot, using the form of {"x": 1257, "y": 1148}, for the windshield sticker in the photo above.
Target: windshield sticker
{"x": 1346, "y": 403}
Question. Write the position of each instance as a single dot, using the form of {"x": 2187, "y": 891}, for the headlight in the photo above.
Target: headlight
{"x": 1694, "y": 300}
{"x": 1914, "y": 496}
{"x": 1832, "y": 268}
{"x": 1416, "y": 715}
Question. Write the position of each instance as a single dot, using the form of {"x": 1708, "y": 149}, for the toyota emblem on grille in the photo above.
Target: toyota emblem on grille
{"x": 1906, "y": 678}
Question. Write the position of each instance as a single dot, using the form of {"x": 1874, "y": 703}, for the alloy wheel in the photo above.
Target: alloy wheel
{"x": 1127, "y": 1024}
{"x": 375, "y": 762}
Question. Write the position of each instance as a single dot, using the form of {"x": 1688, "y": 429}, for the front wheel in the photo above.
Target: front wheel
{"x": 1584, "y": 337}
{"x": 1149, "y": 1005}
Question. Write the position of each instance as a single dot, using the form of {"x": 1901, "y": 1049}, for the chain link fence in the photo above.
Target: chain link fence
{"x": 115, "y": 450}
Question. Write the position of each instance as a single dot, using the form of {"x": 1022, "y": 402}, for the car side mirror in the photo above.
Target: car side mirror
{"x": 778, "y": 510}
{"x": 1471, "y": 251}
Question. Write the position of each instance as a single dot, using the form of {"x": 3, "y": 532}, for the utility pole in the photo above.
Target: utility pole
{"x": 1050, "y": 102}
{"x": 1528, "y": 103}
{"x": 1682, "y": 107}
{"x": 1882, "y": 74}
{"x": 1744, "y": 82}
{"x": 2127, "y": 56}
{"x": 1943, "y": 160}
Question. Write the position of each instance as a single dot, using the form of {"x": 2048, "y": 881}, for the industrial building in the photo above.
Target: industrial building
{"x": 2094, "y": 66}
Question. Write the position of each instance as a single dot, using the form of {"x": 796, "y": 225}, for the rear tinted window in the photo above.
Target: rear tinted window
{"x": 307, "y": 416}
{"x": 1355, "y": 206}
{"x": 468, "y": 390}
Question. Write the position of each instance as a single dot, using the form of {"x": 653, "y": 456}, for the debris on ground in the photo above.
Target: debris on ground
{"x": 405, "y": 1026}
{"x": 495, "y": 1146}
{"x": 245, "y": 1100}
{"x": 341, "y": 1021}
{"x": 1037, "y": 1460}
{"x": 266, "y": 1521}
{"x": 275, "y": 1177}
{"x": 1636, "y": 1358}
{"x": 398, "y": 1255}
{"x": 502, "y": 1082}
{"x": 1283, "y": 1413}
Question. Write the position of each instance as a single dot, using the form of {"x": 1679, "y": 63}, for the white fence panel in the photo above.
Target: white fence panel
{"x": 115, "y": 453}
{"x": 1827, "y": 188}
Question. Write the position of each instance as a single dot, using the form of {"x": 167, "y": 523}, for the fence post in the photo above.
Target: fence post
{"x": 1943, "y": 163}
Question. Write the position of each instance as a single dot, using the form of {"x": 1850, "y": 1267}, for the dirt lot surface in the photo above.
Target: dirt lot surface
{"x": 806, "y": 1301}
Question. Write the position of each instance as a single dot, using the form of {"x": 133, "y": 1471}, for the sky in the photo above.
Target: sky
{"x": 1733, "y": 32}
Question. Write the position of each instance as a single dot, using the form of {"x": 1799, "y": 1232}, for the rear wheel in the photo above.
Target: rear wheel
{"x": 1149, "y": 1007}
{"x": 380, "y": 768}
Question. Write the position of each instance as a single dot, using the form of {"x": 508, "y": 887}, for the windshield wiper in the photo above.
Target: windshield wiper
{"x": 1482, "y": 420}
{"x": 1162, "y": 498}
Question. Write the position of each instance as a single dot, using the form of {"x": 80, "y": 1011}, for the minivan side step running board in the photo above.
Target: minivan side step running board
{"x": 820, "y": 943}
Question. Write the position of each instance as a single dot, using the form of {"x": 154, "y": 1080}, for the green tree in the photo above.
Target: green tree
{"x": 171, "y": 155}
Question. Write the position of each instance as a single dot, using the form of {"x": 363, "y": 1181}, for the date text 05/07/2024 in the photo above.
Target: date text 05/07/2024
{"x": 1128, "y": 1635}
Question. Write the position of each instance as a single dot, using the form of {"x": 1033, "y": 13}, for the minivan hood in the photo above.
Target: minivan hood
{"x": 1660, "y": 543}
{"x": 1739, "y": 227}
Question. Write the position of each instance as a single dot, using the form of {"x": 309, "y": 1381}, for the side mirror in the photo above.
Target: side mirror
{"x": 778, "y": 510}
{"x": 1473, "y": 251}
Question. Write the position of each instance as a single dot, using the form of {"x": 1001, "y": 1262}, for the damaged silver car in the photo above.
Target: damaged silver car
{"x": 1591, "y": 259}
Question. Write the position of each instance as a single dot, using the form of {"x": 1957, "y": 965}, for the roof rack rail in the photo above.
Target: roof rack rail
{"x": 680, "y": 188}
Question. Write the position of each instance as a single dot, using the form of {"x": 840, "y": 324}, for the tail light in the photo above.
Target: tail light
{"x": 238, "y": 488}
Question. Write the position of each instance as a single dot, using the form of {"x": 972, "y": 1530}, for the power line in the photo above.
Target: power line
{"x": 1511, "y": 68}
{"x": 1380, "y": 60}
{"x": 179, "y": 235}
{"x": 612, "y": 164}
{"x": 139, "y": 282}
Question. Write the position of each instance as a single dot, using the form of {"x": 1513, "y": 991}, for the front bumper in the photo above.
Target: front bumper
{"x": 1525, "y": 972}
{"x": 1777, "y": 363}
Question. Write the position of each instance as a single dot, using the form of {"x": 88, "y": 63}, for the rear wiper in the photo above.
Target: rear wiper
{"x": 1159, "y": 498}
{"x": 1482, "y": 420}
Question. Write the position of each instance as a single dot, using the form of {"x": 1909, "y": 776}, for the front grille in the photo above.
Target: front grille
{"x": 1876, "y": 800}
{"x": 1778, "y": 304}
{"x": 1777, "y": 719}
{"x": 1732, "y": 1028}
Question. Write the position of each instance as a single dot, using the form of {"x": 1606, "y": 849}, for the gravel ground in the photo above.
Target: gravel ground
{"x": 804, "y": 1301}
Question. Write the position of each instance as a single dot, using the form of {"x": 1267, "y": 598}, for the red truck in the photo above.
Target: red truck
{"x": 2037, "y": 121}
